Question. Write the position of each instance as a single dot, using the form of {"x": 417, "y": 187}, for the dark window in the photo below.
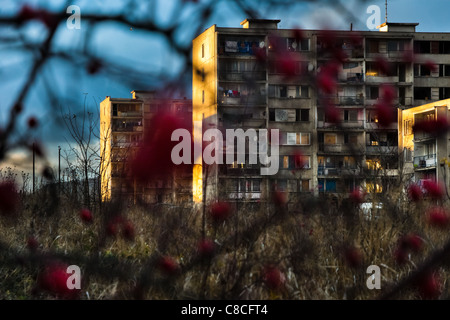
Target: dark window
{"x": 422, "y": 47}
{"x": 302, "y": 114}
{"x": 421, "y": 71}
{"x": 283, "y": 92}
{"x": 444, "y": 93}
{"x": 422, "y": 93}
{"x": 444, "y": 47}
{"x": 372, "y": 92}
{"x": 271, "y": 115}
{"x": 203, "y": 50}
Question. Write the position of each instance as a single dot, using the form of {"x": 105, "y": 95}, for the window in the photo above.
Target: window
{"x": 281, "y": 185}
{"x": 294, "y": 45}
{"x": 373, "y": 164}
{"x": 282, "y": 91}
{"x": 422, "y": 47}
{"x": 444, "y": 47}
{"x": 350, "y": 139}
{"x": 304, "y": 186}
{"x": 372, "y": 46}
{"x": 374, "y": 188}
{"x": 444, "y": 70}
{"x": 304, "y": 93}
{"x": 396, "y": 45}
{"x": 302, "y": 115}
{"x": 372, "y": 92}
{"x": 350, "y": 115}
{"x": 444, "y": 93}
{"x": 203, "y": 50}
{"x": 203, "y": 96}
{"x": 330, "y": 138}
{"x": 297, "y": 138}
{"x": 422, "y": 93}
{"x": 421, "y": 71}
{"x": 203, "y": 74}
{"x": 407, "y": 127}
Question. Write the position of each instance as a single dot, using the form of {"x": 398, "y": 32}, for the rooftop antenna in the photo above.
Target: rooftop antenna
{"x": 386, "y": 11}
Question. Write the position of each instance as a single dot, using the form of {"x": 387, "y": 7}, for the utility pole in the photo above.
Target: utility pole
{"x": 34, "y": 152}
{"x": 59, "y": 170}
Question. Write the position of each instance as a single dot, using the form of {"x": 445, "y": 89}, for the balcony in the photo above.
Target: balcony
{"x": 244, "y": 195}
{"x": 128, "y": 128}
{"x": 425, "y": 162}
{"x": 384, "y": 150}
{"x": 345, "y": 100}
{"x": 330, "y": 148}
{"x": 243, "y": 100}
{"x": 352, "y": 78}
{"x": 378, "y": 126}
{"x": 381, "y": 79}
{"x": 420, "y": 136}
{"x": 128, "y": 114}
{"x": 332, "y": 171}
{"x": 357, "y": 124}
{"x": 253, "y": 170}
{"x": 243, "y": 76}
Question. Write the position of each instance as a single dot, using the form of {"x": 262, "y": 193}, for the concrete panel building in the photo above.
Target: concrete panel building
{"x": 427, "y": 152}
{"x": 240, "y": 80}
{"x": 123, "y": 124}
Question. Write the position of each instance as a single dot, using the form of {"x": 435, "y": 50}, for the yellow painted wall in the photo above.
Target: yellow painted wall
{"x": 204, "y": 92}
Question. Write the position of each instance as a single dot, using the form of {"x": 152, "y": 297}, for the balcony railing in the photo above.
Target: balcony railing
{"x": 351, "y": 77}
{"x": 332, "y": 171}
{"x": 426, "y": 161}
{"x": 243, "y": 76}
{"x": 357, "y": 124}
{"x": 423, "y": 136}
{"x": 245, "y": 195}
{"x": 345, "y": 100}
{"x": 128, "y": 128}
{"x": 381, "y": 149}
{"x": 124, "y": 114}
{"x": 330, "y": 148}
{"x": 243, "y": 100}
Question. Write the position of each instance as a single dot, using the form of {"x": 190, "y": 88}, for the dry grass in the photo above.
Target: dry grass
{"x": 307, "y": 246}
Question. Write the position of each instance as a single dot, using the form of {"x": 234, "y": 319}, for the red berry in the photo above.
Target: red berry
{"x": 429, "y": 285}
{"x": 206, "y": 248}
{"x": 273, "y": 277}
{"x": 400, "y": 256}
{"x": 279, "y": 198}
{"x": 434, "y": 189}
{"x": 168, "y": 265}
{"x": 220, "y": 211}
{"x": 357, "y": 196}
{"x": 128, "y": 230}
{"x": 86, "y": 215}
{"x": 53, "y": 279}
{"x": 353, "y": 257}
{"x": 438, "y": 217}
{"x": 32, "y": 244}
{"x": 413, "y": 242}
{"x": 414, "y": 192}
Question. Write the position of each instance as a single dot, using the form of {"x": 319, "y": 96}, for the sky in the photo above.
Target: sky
{"x": 64, "y": 83}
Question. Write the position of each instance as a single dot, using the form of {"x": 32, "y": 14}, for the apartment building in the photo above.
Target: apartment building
{"x": 427, "y": 151}
{"x": 233, "y": 89}
{"x": 123, "y": 124}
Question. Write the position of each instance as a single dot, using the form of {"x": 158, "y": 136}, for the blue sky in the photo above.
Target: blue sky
{"x": 150, "y": 52}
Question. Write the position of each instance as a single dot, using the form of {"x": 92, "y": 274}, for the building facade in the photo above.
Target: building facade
{"x": 123, "y": 124}
{"x": 428, "y": 149}
{"x": 260, "y": 77}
